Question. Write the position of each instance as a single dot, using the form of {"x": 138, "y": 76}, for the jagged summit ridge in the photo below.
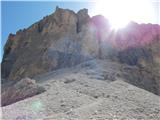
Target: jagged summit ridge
{"x": 66, "y": 38}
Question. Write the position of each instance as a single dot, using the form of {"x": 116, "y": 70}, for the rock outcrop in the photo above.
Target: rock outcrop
{"x": 19, "y": 91}
{"x": 59, "y": 40}
{"x": 65, "y": 38}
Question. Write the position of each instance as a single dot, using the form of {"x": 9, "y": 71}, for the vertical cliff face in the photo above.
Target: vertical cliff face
{"x": 66, "y": 38}
{"x": 58, "y": 40}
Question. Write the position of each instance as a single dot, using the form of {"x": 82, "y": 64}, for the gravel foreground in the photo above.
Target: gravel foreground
{"x": 81, "y": 93}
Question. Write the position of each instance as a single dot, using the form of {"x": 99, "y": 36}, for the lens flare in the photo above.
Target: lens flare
{"x": 37, "y": 106}
{"x": 121, "y": 12}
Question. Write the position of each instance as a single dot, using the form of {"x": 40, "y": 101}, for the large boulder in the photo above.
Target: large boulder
{"x": 23, "y": 89}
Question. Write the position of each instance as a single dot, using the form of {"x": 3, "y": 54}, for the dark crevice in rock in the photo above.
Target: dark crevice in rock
{"x": 77, "y": 28}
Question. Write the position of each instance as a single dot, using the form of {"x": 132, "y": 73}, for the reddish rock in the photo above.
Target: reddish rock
{"x": 19, "y": 91}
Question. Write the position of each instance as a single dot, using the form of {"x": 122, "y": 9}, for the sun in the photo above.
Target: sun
{"x": 121, "y": 12}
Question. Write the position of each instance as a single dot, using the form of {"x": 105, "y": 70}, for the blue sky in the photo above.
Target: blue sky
{"x": 19, "y": 15}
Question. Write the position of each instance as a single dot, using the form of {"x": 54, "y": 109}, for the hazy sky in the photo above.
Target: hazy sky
{"x": 19, "y": 15}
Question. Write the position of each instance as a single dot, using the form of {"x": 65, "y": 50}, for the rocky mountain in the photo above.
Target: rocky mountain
{"x": 65, "y": 38}
{"x": 57, "y": 41}
{"x": 75, "y": 67}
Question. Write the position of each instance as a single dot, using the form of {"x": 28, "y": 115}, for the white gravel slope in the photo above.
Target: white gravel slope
{"x": 81, "y": 94}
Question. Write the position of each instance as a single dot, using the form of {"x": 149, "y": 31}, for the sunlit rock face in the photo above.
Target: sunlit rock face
{"x": 62, "y": 39}
{"x": 65, "y": 38}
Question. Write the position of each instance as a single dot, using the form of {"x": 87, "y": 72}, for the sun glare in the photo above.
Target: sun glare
{"x": 121, "y": 12}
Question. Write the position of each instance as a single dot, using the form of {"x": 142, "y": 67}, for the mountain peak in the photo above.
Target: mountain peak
{"x": 66, "y": 38}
